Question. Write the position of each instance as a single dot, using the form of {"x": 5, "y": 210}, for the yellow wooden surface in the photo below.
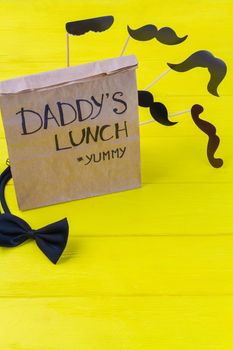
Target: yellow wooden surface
{"x": 145, "y": 269}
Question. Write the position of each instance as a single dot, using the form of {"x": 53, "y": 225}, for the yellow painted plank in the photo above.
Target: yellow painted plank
{"x": 183, "y": 187}
{"x": 175, "y": 160}
{"x": 183, "y": 160}
{"x": 48, "y": 51}
{"x": 163, "y": 209}
{"x": 178, "y": 91}
{"x": 163, "y": 323}
{"x": 124, "y": 266}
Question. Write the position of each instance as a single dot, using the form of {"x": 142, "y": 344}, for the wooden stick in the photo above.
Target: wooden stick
{"x": 170, "y": 115}
{"x": 125, "y": 45}
{"x": 67, "y": 50}
{"x": 157, "y": 79}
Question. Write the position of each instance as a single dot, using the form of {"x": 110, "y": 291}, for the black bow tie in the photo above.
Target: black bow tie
{"x": 50, "y": 239}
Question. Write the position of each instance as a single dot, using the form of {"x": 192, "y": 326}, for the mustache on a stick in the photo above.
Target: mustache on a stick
{"x": 159, "y": 113}
{"x": 158, "y": 110}
{"x": 210, "y": 130}
{"x": 164, "y": 35}
{"x": 98, "y": 24}
{"x": 205, "y": 59}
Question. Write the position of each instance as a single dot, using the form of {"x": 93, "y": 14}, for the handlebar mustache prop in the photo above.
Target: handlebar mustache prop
{"x": 158, "y": 110}
{"x": 210, "y": 131}
{"x": 99, "y": 24}
{"x": 164, "y": 35}
{"x": 205, "y": 59}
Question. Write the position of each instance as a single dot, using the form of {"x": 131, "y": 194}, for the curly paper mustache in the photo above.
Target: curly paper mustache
{"x": 205, "y": 59}
{"x": 210, "y": 130}
{"x": 99, "y": 24}
{"x": 164, "y": 35}
{"x": 158, "y": 110}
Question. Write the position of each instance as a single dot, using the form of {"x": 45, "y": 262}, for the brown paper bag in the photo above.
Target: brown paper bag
{"x": 73, "y": 133}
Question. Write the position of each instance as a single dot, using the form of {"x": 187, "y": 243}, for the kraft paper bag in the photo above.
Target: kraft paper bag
{"x": 73, "y": 133}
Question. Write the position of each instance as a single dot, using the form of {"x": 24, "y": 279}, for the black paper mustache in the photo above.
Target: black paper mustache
{"x": 205, "y": 59}
{"x": 98, "y": 24}
{"x": 164, "y": 35}
{"x": 210, "y": 130}
{"x": 158, "y": 110}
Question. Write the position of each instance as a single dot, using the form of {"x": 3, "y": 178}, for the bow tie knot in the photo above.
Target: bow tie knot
{"x": 30, "y": 234}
